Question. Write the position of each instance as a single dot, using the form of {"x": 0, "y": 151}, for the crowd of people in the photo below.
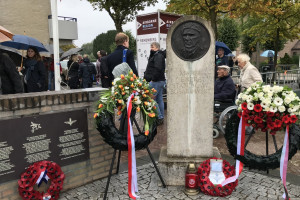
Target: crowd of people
{"x": 37, "y": 74}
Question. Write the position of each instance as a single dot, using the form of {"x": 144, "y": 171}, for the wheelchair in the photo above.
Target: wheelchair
{"x": 222, "y": 112}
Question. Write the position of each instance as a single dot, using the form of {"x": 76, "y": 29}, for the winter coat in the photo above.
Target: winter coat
{"x": 10, "y": 79}
{"x": 220, "y": 61}
{"x": 73, "y": 80}
{"x": 87, "y": 72}
{"x": 224, "y": 88}
{"x": 116, "y": 58}
{"x": 34, "y": 75}
{"x": 155, "y": 70}
{"x": 249, "y": 75}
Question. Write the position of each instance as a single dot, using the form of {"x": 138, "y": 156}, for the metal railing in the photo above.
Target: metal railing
{"x": 289, "y": 78}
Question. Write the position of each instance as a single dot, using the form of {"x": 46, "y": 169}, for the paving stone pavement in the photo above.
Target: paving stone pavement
{"x": 251, "y": 186}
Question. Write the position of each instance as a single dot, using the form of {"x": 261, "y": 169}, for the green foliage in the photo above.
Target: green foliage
{"x": 270, "y": 44}
{"x": 87, "y": 48}
{"x": 121, "y": 11}
{"x": 286, "y": 59}
{"x": 106, "y": 42}
{"x": 229, "y": 33}
{"x": 103, "y": 42}
{"x": 67, "y": 47}
{"x": 248, "y": 40}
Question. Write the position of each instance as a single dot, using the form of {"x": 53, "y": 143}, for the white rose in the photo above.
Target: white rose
{"x": 249, "y": 99}
{"x": 290, "y": 110}
{"x": 250, "y": 106}
{"x": 261, "y": 95}
{"x": 281, "y": 108}
{"x": 244, "y": 97}
{"x": 287, "y": 100}
{"x": 277, "y": 88}
{"x": 267, "y": 109}
{"x": 273, "y": 109}
{"x": 278, "y": 101}
{"x": 126, "y": 88}
{"x": 264, "y": 104}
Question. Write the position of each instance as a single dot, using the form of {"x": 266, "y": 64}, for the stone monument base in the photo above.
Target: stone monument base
{"x": 173, "y": 169}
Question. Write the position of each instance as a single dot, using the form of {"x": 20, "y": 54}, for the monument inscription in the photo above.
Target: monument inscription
{"x": 190, "y": 40}
{"x": 58, "y": 137}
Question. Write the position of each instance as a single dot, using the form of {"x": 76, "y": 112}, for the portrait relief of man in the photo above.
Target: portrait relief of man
{"x": 190, "y": 40}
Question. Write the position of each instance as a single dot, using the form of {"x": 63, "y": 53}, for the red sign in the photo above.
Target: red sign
{"x": 166, "y": 21}
{"x": 147, "y": 24}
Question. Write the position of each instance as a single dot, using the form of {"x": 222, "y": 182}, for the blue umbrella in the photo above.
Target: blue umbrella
{"x": 224, "y": 46}
{"x": 268, "y": 53}
{"x": 24, "y": 42}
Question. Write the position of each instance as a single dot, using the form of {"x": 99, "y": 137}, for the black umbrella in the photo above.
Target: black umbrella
{"x": 70, "y": 52}
{"x": 13, "y": 53}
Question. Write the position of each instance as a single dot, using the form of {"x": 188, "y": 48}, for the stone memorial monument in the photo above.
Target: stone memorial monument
{"x": 190, "y": 73}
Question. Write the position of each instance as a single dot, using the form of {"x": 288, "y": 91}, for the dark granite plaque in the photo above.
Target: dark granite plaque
{"x": 190, "y": 40}
{"x": 59, "y": 137}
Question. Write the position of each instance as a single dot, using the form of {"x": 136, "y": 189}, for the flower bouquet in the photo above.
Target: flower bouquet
{"x": 117, "y": 97}
{"x": 268, "y": 108}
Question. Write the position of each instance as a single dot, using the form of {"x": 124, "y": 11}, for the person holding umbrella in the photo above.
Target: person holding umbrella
{"x": 221, "y": 60}
{"x": 34, "y": 71}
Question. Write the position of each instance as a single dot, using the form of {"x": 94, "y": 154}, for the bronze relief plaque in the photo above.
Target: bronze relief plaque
{"x": 190, "y": 40}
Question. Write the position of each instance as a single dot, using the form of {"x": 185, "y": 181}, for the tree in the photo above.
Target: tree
{"x": 121, "y": 11}
{"x": 280, "y": 21}
{"x": 208, "y": 9}
{"x": 106, "y": 41}
{"x": 87, "y": 48}
{"x": 229, "y": 33}
{"x": 66, "y": 47}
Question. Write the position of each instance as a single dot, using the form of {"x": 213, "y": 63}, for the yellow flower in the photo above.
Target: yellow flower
{"x": 146, "y": 103}
{"x": 151, "y": 114}
{"x": 100, "y": 106}
{"x": 132, "y": 86}
{"x": 153, "y": 90}
{"x": 95, "y": 115}
{"x": 122, "y": 76}
{"x": 120, "y": 101}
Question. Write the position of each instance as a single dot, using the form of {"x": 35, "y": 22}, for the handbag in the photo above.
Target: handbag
{"x": 67, "y": 77}
{"x": 122, "y": 68}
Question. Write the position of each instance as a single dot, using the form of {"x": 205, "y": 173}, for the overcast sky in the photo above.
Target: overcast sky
{"x": 92, "y": 22}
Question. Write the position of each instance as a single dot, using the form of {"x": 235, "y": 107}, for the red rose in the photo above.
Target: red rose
{"x": 251, "y": 117}
{"x": 293, "y": 119}
{"x": 269, "y": 120}
{"x": 261, "y": 114}
{"x": 271, "y": 125}
{"x": 277, "y": 115}
{"x": 258, "y": 120}
{"x": 247, "y": 111}
{"x": 277, "y": 123}
{"x": 240, "y": 114}
{"x": 244, "y": 106}
{"x": 257, "y": 108}
{"x": 270, "y": 114}
{"x": 246, "y": 116}
{"x": 286, "y": 119}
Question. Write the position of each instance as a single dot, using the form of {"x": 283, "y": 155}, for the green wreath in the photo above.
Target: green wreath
{"x": 251, "y": 160}
{"x": 116, "y": 99}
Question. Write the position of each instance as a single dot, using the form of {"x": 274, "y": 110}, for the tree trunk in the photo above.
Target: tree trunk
{"x": 276, "y": 49}
{"x": 118, "y": 26}
{"x": 213, "y": 17}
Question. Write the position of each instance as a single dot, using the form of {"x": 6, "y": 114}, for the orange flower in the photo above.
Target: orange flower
{"x": 131, "y": 72}
{"x": 123, "y": 93}
{"x": 146, "y": 103}
{"x": 132, "y": 86}
{"x": 119, "y": 112}
{"x": 138, "y": 109}
{"x": 151, "y": 114}
{"x": 144, "y": 95}
{"x": 131, "y": 79}
{"x": 120, "y": 101}
{"x": 147, "y": 91}
{"x": 134, "y": 76}
{"x": 112, "y": 83}
{"x": 116, "y": 93}
{"x": 100, "y": 106}
{"x": 153, "y": 90}
{"x": 154, "y": 107}
{"x": 119, "y": 107}
{"x": 140, "y": 84}
{"x": 122, "y": 76}
{"x": 147, "y": 132}
{"x": 120, "y": 86}
{"x": 95, "y": 115}
{"x": 150, "y": 100}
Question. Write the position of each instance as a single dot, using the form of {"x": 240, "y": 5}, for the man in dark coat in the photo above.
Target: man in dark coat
{"x": 10, "y": 79}
{"x": 224, "y": 85}
{"x": 155, "y": 74}
{"x": 115, "y": 58}
{"x": 87, "y": 72}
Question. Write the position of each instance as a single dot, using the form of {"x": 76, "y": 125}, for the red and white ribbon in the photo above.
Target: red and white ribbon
{"x": 132, "y": 175}
{"x": 284, "y": 160}
{"x": 240, "y": 151}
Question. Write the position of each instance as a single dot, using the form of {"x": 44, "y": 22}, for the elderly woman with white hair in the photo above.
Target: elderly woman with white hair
{"x": 249, "y": 73}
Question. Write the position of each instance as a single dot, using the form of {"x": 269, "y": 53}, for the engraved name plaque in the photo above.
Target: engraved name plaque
{"x": 58, "y": 137}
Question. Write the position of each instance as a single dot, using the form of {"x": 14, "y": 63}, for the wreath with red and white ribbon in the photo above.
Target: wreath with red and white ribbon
{"x": 39, "y": 172}
{"x": 207, "y": 187}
